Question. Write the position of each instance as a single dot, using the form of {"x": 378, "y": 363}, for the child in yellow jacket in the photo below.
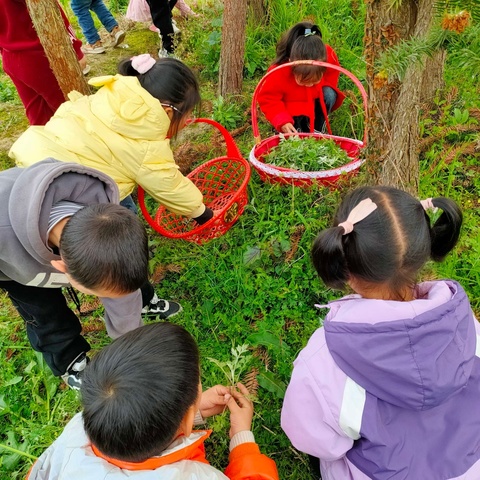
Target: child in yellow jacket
{"x": 141, "y": 396}
{"x": 124, "y": 130}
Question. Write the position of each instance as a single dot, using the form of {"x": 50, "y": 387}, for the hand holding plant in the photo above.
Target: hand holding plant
{"x": 214, "y": 400}
{"x": 241, "y": 410}
{"x": 288, "y": 128}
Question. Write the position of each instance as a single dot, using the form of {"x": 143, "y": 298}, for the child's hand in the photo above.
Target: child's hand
{"x": 214, "y": 400}
{"x": 241, "y": 410}
{"x": 288, "y": 128}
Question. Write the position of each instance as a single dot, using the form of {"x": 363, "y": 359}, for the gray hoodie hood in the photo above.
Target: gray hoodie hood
{"x": 26, "y": 198}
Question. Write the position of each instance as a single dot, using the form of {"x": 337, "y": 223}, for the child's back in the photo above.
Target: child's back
{"x": 124, "y": 130}
{"x": 141, "y": 397}
{"x": 388, "y": 388}
{"x": 71, "y": 457}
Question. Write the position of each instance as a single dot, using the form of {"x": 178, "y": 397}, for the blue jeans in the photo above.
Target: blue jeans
{"x": 128, "y": 202}
{"x": 81, "y": 9}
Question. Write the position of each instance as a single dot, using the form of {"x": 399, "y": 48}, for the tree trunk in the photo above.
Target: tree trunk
{"x": 394, "y": 105}
{"x": 433, "y": 79}
{"x": 53, "y": 36}
{"x": 233, "y": 47}
{"x": 257, "y": 11}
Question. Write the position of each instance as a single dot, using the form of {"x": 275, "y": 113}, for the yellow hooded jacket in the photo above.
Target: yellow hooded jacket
{"x": 121, "y": 131}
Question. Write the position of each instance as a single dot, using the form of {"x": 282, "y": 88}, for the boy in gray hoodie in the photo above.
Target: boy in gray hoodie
{"x": 61, "y": 225}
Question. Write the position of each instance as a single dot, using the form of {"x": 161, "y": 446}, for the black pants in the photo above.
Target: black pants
{"x": 52, "y": 328}
{"x": 161, "y": 11}
{"x": 314, "y": 463}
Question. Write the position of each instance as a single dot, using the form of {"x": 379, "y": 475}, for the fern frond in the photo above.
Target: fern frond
{"x": 396, "y": 60}
{"x": 471, "y": 6}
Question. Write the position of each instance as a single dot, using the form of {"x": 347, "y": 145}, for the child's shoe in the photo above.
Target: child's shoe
{"x": 161, "y": 308}
{"x": 86, "y": 70}
{"x": 176, "y": 30}
{"x": 97, "y": 47}
{"x": 163, "y": 53}
{"x": 118, "y": 36}
{"x": 73, "y": 376}
{"x": 153, "y": 28}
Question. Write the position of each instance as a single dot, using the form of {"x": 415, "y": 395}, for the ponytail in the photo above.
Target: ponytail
{"x": 125, "y": 68}
{"x": 285, "y": 44}
{"x": 446, "y": 230}
{"x": 328, "y": 258}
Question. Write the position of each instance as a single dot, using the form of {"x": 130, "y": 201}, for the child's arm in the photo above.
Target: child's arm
{"x": 330, "y": 77}
{"x": 168, "y": 186}
{"x": 309, "y": 419}
{"x": 270, "y": 100}
{"x": 246, "y": 461}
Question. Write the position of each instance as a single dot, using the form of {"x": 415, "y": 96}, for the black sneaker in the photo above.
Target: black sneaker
{"x": 161, "y": 308}
{"x": 73, "y": 376}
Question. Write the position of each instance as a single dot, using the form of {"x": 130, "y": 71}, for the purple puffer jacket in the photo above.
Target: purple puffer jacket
{"x": 390, "y": 390}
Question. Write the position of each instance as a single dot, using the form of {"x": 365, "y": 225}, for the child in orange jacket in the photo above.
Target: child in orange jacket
{"x": 299, "y": 98}
{"x": 141, "y": 396}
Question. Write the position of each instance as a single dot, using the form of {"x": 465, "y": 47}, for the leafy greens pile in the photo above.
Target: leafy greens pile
{"x": 308, "y": 154}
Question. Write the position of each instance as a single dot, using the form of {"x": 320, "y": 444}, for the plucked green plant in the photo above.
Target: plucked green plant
{"x": 307, "y": 154}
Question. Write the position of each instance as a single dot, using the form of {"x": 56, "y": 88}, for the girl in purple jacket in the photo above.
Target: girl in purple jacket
{"x": 389, "y": 387}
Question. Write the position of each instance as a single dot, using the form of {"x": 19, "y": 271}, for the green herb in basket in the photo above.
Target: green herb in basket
{"x": 307, "y": 154}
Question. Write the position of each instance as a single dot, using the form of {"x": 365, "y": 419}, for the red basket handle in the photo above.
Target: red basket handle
{"x": 232, "y": 152}
{"x": 232, "y": 149}
{"x": 350, "y": 75}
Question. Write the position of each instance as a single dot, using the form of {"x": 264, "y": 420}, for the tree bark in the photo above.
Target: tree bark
{"x": 54, "y": 38}
{"x": 433, "y": 79}
{"x": 393, "y": 130}
{"x": 233, "y": 47}
{"x": 257, "y": 11}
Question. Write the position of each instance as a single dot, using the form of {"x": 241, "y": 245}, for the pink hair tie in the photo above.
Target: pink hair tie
{"x": 427, "y": 204}
{"x": 143, "y": 63}
{"x": 357, "y": 214}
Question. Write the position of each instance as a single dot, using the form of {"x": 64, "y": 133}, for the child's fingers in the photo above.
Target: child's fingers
{"x": 241, "y": 397}
{"x": 222, "y": 393}
{"x": 232, "y": 405}
{"x": 243, "y": 388}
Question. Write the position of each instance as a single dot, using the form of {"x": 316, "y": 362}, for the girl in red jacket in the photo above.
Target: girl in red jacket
{"x": 299, "y": 98}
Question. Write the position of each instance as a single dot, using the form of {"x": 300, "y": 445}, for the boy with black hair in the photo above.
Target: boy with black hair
{"x": 141, "y": 396}
{"x": 61, "y": 225}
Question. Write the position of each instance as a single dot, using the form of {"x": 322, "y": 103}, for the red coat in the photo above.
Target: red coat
{"x": 25, "y": 62}
{"x": 281, "y": 98}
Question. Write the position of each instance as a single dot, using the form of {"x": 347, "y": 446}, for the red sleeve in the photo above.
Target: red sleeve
{"x": 271, "y": 99}
{"x": 247, "y": 463}
{"x": 330, "y": 77}
{"x": 76, "y": 43}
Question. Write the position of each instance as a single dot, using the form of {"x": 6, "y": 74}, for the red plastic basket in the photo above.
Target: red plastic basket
{"x": 274, "y": 174}
{"x": 223, "y": 183}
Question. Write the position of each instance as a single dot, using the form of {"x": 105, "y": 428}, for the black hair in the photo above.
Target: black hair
{"x": 390, "y": 245}
{"x": 297, "y": 32}
{"x": 137, "y": 390}
{"x": 170, "y": 81}
{"x": 105, "y": 246}
{"x": 294, "y": 45}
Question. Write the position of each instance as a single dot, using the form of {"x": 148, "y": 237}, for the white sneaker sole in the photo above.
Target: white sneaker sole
{"x": 119, "y": 38}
